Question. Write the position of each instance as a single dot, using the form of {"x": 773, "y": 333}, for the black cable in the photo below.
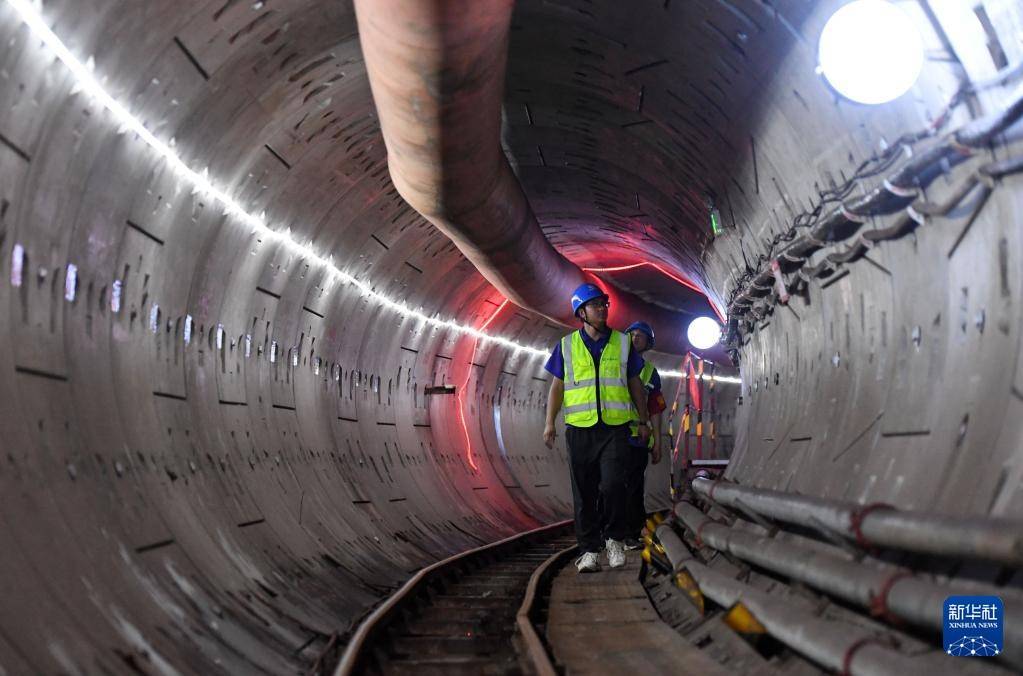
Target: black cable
{"x": 897, "y": 193}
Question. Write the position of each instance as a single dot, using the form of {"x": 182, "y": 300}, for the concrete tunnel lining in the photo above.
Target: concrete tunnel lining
{"x": 188, "y": 508}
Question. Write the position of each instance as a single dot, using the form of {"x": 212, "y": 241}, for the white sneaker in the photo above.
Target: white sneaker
{"x": 615, "y": 554}
{"x": 588, "y": 563}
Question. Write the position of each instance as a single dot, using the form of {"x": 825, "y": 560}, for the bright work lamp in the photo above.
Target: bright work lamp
{"x": 870, "y": 51}
{"x": 703, "y": 332}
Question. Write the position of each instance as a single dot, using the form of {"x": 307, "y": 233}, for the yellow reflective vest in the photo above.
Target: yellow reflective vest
{"x": 582, "y": 381}
{"x": 644, "y": 376}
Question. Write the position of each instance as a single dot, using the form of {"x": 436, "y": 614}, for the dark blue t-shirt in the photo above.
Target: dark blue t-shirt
{"x": 655, "y": 382}
{"x": 556, "y": 363}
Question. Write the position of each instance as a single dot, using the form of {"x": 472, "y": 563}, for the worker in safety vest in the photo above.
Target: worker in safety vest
{"x": 596, "y": 379}
{"x": 642, "y": 336}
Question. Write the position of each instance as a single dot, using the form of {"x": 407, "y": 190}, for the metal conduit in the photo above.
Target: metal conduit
{"x": 891, "y": 593}
{"x": 843, "y": 647}
{"x": 674, "y": 548}
{"x": 877, "y": 524}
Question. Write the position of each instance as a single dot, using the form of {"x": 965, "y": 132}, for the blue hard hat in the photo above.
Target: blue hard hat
{"x": 644, "y": 328}
{"x": 584, "y": 294}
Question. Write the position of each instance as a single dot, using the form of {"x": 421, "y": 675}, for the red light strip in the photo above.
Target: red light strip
{"x": 667, "y": 273}
{"x": 461, "y": 391}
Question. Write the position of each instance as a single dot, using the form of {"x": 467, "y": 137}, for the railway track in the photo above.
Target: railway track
{"x": 468, "y": 614}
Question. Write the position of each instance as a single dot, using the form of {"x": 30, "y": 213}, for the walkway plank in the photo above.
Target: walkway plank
{"x": 603, "y": 623}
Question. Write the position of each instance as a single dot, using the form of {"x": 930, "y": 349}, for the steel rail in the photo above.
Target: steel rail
{"x": 353, "y": 652}
{"x": 533, "y": 646}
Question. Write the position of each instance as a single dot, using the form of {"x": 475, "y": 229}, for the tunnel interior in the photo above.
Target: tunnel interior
{"x": 245, "y": 390}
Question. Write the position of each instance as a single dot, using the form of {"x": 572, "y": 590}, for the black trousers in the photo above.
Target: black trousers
{"x": 635, "y": 489}
{"x": 598, "y": 463}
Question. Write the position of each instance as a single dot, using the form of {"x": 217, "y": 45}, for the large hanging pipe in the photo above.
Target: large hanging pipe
{"x": 894, "y": 592}
{"x": 436, "y": 69}
{"x": 845, "y": 648}
{"x": 879, "y": 525}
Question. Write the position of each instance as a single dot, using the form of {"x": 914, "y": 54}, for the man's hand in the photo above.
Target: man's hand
{"x": 644, "y": 432}
{"x": 554, "y": 401}
{"x": 549, "y": 435}
{"x": 655, "y": 452}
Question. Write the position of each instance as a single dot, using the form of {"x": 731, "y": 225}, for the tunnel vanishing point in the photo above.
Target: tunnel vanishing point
{"x": 281, "y": 278}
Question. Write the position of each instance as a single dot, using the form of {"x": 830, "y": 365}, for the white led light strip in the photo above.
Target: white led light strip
{"x": 87, "y": 82}
{"x": 717, "y": 379}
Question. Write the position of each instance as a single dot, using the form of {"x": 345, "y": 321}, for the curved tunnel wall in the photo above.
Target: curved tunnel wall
{"x": 897, "y": 378}
{"x": 235, "y": 499}
{"x": 230, "y": 502}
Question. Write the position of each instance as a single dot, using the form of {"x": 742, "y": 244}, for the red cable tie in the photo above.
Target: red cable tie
{"x": 851, "y": 652}
{"x": 899, "y": 190}
{"x": 879, "y": 601}
{"x": 852, "y": 215}
{"x": 699, "y": 529}
{"x": 960, "y": 148}
{"x": 710, "y": 493}
{"x": 856, "y": 518}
